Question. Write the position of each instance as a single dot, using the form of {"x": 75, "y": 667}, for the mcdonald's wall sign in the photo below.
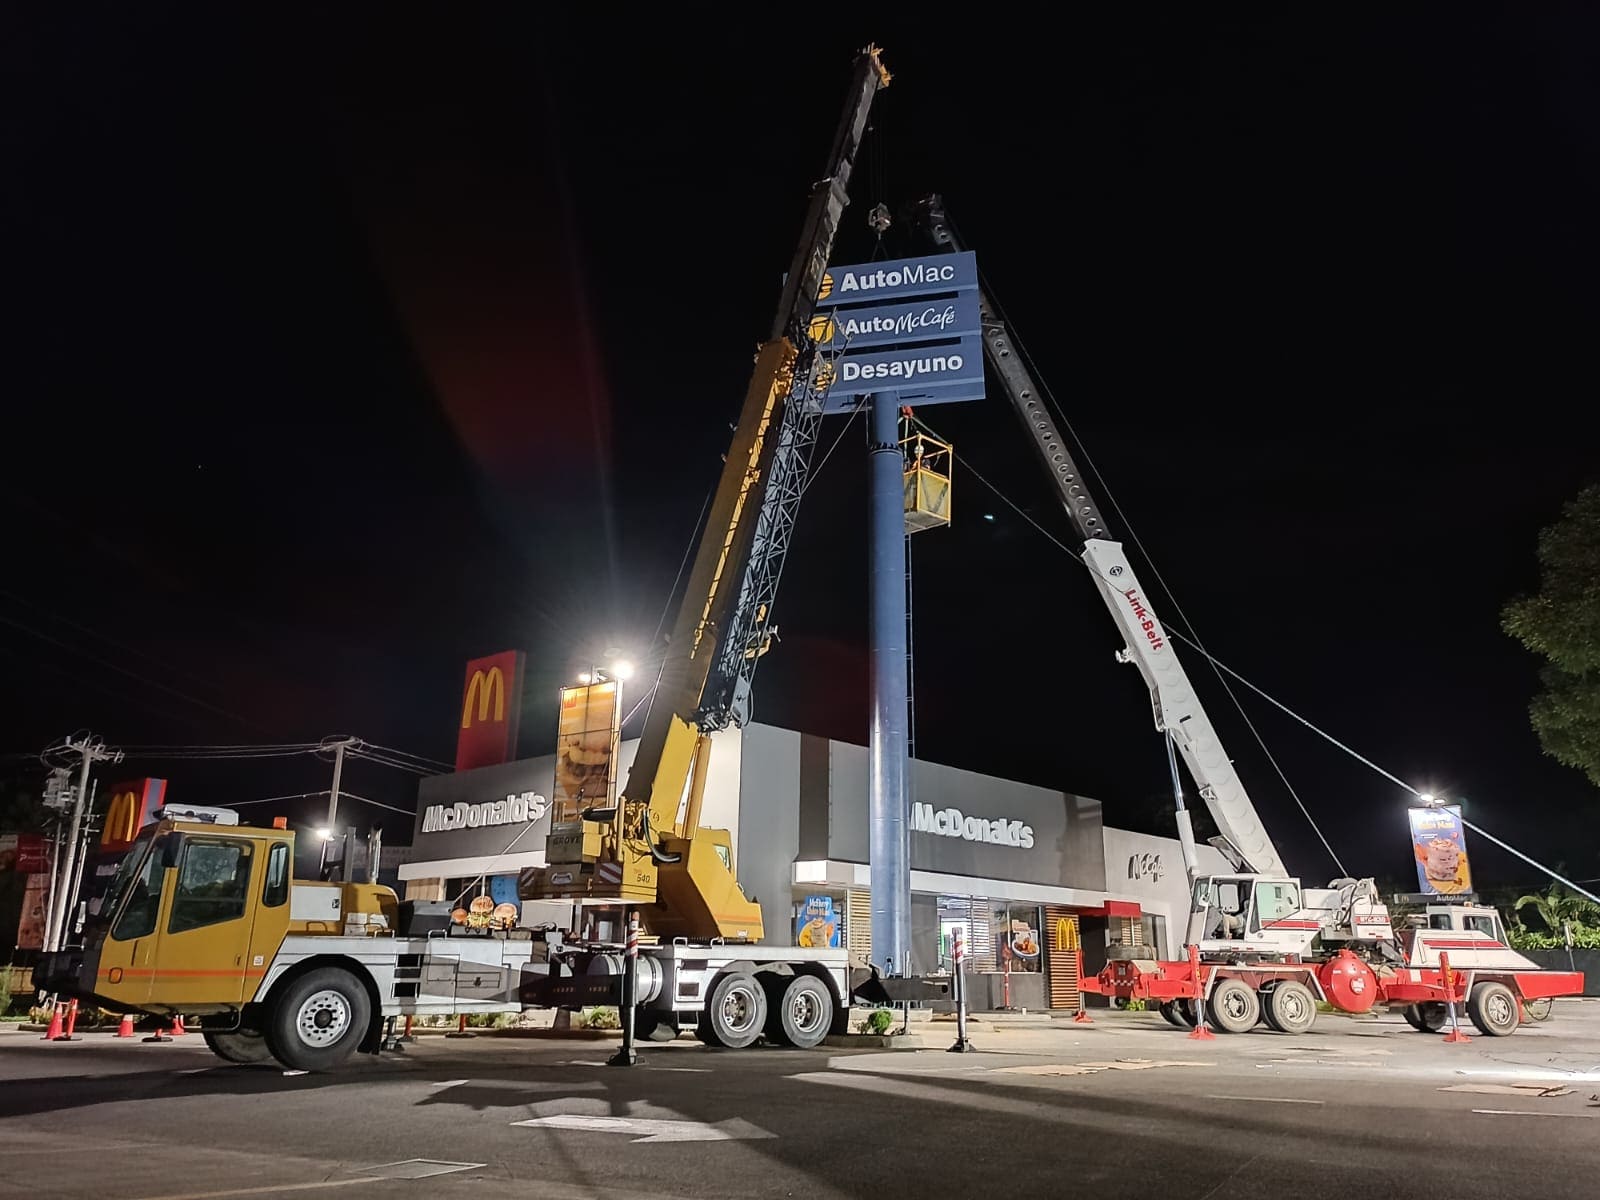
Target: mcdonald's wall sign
{"x": 132, "y": 804}
{"x": 491, "y": 710}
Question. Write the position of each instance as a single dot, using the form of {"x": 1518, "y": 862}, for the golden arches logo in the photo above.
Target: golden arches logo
{"x": 1066, "y": 934}
{"x": 822, "y": 328}
{"x": 484, "y": 686}
{"x": 826, "y": 289}
{"x": 122, "y": 820}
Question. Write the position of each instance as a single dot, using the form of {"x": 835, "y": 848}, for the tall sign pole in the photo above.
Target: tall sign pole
{"x": 893, "y": 335}
{"x": 889, "y": 845}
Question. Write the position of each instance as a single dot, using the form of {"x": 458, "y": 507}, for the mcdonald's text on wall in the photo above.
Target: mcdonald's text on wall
{"x": 491, "y": 710}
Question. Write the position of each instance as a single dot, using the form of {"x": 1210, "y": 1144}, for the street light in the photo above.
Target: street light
{"x": 1428, "y": 798}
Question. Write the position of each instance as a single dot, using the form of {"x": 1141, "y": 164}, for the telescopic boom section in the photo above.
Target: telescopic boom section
{"x": 1176, "y": 707}
{"x": 723, "y": 626}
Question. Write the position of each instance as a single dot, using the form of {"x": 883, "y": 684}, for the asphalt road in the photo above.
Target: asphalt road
{"x": 1123, "y": 1108}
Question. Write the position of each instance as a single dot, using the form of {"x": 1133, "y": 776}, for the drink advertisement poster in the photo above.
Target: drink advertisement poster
{"x": 1439, "y": 844}
{"x": 818, "y": 923}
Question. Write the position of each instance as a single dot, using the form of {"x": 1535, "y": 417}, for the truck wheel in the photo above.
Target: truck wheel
{"x": 318, "y": 1020}
{"x": 1493, "y": 1009}
{"x": 1177, "y": 1014}
{"x": 1234, "y": 1007}
{"x": 1428, "y": 1017}
{"x": 1290, "y": 1007}
{"x": 240, "y": 1046}
{"x": 1537, "y": 1010}
{"x": 801, "y": 1013}
{"x": 736, "y": 1011}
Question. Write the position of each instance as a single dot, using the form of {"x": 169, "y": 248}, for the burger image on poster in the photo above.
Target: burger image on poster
{"x": 582, "y": 765}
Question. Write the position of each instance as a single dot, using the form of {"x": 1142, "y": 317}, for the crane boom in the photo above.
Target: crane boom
{"x": 682, "y": 875}
{"x": 1176, "y": 708}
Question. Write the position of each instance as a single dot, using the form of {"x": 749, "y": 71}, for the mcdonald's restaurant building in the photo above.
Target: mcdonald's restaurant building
{"x": 1033, "y": 879}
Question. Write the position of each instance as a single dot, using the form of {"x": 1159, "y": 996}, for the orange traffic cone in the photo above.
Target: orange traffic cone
{"x": 54, "y": 1031}
{"x": 177, "y": 1029}
{"x": 125, "y": 1029}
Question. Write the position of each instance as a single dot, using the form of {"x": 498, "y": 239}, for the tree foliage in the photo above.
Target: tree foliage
{"x": 1556, "y": 906}
{"x": 1561, "y": 624}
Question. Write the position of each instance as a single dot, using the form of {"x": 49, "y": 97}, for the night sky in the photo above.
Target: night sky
{"x": 344, "y": 348}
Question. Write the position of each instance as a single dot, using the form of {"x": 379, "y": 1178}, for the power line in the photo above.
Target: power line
{"x": 107, "y": 663}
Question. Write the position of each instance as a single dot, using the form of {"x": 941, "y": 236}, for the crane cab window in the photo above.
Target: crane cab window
{"x": 1276, "y": 901}
{"x": 213, "y": 883}
{"x": 1439, "y": 921}
{"x": 1483, "y": 923}
{"x": 143, "y": 891}
{"x": 276, "y": 888}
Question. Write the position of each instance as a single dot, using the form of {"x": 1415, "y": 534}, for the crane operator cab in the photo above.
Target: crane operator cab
{"x": 1240, "y": 909}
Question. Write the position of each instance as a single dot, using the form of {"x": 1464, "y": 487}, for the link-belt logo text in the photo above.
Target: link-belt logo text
{"x": 952, "y": 822}
{"x": 516, "y": 809}
{"x": 1147, "y": 621}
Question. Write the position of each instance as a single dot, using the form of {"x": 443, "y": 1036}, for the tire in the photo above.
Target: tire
{"x": 736, "y": 1011}
{"x": 1267, "y": 1017}
{"x": 800, "y": 1013}
{"x": 653, "y": 1025}
{"x": 318, "y": 1020}
{"x": 1428, "y": 1017}
{"x": 1537, "y": 1010}
{"x": 1290, "y": 1007}
{"x": 1234, "y": 1006}
{"x": 239, "y": 1046}
{"x": 1493, "y": 1009}
{"x": 1169, "y": 1010}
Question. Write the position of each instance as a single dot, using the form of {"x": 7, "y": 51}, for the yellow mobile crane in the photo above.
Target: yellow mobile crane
{"x": 677, "y": 874}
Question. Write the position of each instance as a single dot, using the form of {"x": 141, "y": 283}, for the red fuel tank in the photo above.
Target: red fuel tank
{"x": 1348, "y": 983}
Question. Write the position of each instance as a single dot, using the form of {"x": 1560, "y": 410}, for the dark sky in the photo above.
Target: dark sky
{"x": 343, "y": 348}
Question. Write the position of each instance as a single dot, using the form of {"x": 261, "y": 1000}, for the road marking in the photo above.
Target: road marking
{"x": 1522, "y": 1112}
{"x": 262, "y": 1191}
{"x": 1264, "y": 1099}
{"x": 653, "y": 1129}
{"x": 416, "y": 1168}
{"x": 449, "y": 1083}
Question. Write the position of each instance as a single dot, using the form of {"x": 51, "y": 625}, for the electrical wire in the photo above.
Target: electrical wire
{"x": 406, "y": 754}
{"x": 107, "y": 663}
{"x": 1221, "y": 667}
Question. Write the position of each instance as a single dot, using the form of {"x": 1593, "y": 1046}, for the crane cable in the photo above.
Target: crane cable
{"x": 1068, "y": 550}
{"x": 1220, "y": 667}
{"x": 1216, "y": 664}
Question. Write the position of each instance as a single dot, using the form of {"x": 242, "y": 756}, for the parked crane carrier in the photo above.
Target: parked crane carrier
{"x": 1263, "y": 948}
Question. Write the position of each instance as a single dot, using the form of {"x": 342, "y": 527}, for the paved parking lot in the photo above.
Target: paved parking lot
{"x": 1124, "y": 1107}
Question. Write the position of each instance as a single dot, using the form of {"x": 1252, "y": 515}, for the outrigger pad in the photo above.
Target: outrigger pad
{"x": 869, "y": 985}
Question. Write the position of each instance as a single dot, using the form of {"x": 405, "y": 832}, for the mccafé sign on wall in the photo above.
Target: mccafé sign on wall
{"x": 491, "y": 705}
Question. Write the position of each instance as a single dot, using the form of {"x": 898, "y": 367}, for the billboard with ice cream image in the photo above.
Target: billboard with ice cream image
{"x": 1439, "y": 844}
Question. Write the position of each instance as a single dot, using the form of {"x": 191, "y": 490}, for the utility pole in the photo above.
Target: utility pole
{"x": 90, "y": 750}
{"x": 339, "y": 748}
